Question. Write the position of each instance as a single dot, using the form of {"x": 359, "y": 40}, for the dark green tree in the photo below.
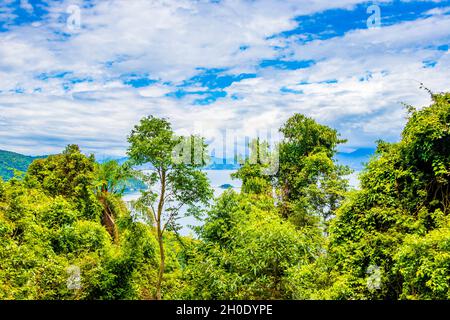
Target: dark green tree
{"x": 310, "y": 183}
{"x": 70, "y": 174}
{"x": 394, "y": 231}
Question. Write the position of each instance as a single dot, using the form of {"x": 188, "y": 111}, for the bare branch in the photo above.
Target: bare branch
{"x": 172, "y": 215}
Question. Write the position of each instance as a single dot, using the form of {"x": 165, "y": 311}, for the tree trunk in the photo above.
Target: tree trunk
{"x": 160, "y": 236}
{"x": 107, "y": 219}
{"x": 161, "y": 266}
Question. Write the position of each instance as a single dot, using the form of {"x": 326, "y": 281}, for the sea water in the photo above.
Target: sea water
{"x": 217, "y": 178}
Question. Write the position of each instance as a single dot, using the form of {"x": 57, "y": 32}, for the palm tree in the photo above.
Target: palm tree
{"x": 112, "y": 180}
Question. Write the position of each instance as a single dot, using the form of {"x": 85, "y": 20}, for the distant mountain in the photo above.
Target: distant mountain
{"x": 214, "y": 163}
{"x": 120, "y": 160}
{"x": 355, "y": 159}
{"x": 221, "y": 164}
{"x": 226, "y": 186}
{"x": 10, "y": 161}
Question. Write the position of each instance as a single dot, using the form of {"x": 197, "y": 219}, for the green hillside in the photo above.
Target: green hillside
{"x": 10, "y": 161}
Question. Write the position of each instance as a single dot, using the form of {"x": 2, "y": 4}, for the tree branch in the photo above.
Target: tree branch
{"x": 172, "y": 215}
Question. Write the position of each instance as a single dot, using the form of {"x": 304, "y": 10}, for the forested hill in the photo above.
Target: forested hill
{"x": 10, "y": 161}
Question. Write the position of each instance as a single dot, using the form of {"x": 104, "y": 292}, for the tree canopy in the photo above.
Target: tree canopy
{"x": 296, "y": 233}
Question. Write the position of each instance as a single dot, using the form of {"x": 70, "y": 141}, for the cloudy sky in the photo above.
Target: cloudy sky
{"x": 86, "y": 71}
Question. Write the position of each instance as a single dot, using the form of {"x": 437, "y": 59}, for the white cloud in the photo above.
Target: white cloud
{"x": 169, "y": 40}
{"x": 154, "y": 91}
{"x": 438, "y": 11}
{"x": 25, "y": 5}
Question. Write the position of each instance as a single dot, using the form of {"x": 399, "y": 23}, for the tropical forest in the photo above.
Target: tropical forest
{"x": 300, "y": 232}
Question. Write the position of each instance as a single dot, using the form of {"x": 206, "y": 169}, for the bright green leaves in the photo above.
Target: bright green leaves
{"x": 175, "y": 161}
{"x": 189, "y": 185}
{"x": 49, "y": 225}
{"x": 253, "y": 178}
{"x": 191, "y": 150}
{"x": 152, "y": 141}
{"x": 426, "y": 139}
{"x": 297, "y": 233}
{"x": 219, "y": 221}
{"x": 2, "y": 190}
{"x": 424, "y": 263}
{"x": 175, "y": 177}
{"x": 112, "y": 177}
{"x": 398, "y": 220}
{"x": 70, "y": 174}
{"x": 255, "y": 242}
{"x": 247, "y": 250}
{"x": 81, "y": 236}
{"x": 387, "y": 240}
{"x": 64, "y": 174}
{"x": 310, "y": 183}
{"x": 59, "y": 213}
{"x": 303, "y": 136}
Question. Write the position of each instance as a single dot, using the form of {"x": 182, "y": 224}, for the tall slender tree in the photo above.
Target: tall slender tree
{"x": 174, "y": 180}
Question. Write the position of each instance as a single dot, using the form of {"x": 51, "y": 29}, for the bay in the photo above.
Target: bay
{"x": 217, "y": 178}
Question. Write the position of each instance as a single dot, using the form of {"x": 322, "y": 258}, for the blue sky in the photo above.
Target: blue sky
{"x": 86, "y": 71}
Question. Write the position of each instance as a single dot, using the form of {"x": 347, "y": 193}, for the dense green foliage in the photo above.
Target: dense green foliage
{"x": 310, "y": 182}
{"x": 247, "y": 251}
{"x": 297, "y": 233}
{"x": 51, "y": 229}
{"x": 397, "y": 224}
